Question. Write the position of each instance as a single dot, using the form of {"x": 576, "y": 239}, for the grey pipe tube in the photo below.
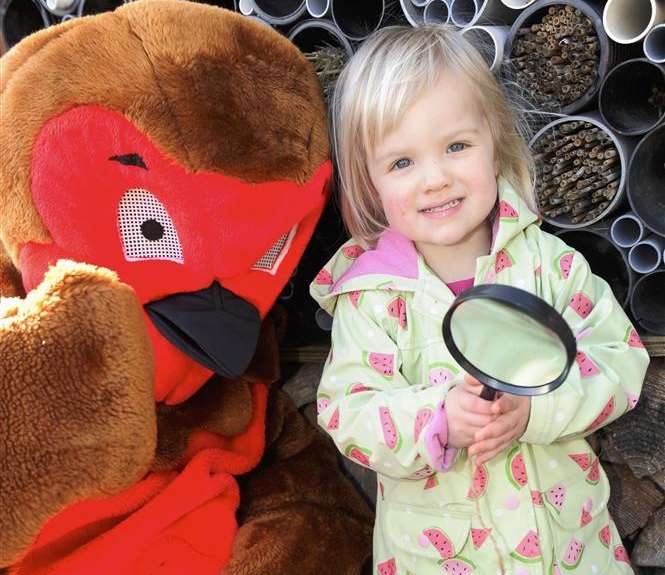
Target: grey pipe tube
{"x": 605, "y": 259}
{"x": 494, "y": 13}
{"x": 632, "y": 97}
{"x": 647, "y": 255}
{"x": 463, "y": 12}
{"x": 624, "y": 147}
{"x": 19, "y": 19}
{"x": 60, "y": 7}
{"x": 420, "y": 3}
{"x": 436, "y": 12}
{"x": 628, "y": 21}
{"x": 279, "y": 12}
{"x": 318, "y": 8}
{"x": 490, "y": 42}
{"x": 627, "y": 230}
{"x": 357, "y": 20}
{"x": 311, "y": 35}
{"x": 647, "y": 302}
{"x": 414, "y": 14}
{"x": 646, "y": 180}
{"x": 517, "y": 4}
{"x": 654, "y": 44}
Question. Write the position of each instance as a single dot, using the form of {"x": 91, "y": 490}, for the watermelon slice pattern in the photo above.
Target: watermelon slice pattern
{"x": 621, "y": 555}
{"x": 593, "y": 477}
{"x": 357, "y": 388}
{"x": 631, "y": 337}
{"x": 478, "y": 536}
{"x": 359, "y": 454}
{"x": 515, "y": 468}
{"x": 380, "y": 362}
{"x": 604, "y": 414}
{"x": 479, "y": 482}
{"x": 390, "y": 433}
{"x": 503, "y": 261}
{"x": 587, "y": 367}
{"x": 507, "y": 212}
{"x": 458, "y": 566}
{"x": 323, "y": 278}
{"x": 423, "y": 417}
{"x": 432, "y": 482}
{"x": 440, "y": 541}
{"x": 388, "y": 567}
{"x": 564, "y": 262}
{"x": 352, "y": 252}
{"x": 582, "y": 459}
{"x": 537, "y": 498}
{"x": 605, "y": 536}
{"x": 355, "y": 297}
{"x": 556, "y": 497}
{"x": 441, "y": 373}
{"x": 397, "y": 309}
{"x": 528, "y": 549}
{"x": 581, "y": 305}
{"x": 333, "y": 423}
{"x": 573, "y": 554}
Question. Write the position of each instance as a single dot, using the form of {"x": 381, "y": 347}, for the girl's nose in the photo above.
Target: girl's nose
{"x": 436, "y": 175}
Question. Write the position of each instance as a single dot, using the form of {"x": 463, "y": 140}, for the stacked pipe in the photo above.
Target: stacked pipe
{"x": 579, "y": 171}
{"x": 556, "y": 55}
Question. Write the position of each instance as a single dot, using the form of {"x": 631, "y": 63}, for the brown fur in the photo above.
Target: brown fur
{"x": 325, "y": 526}
{"x": 159, "y": 64}
{"x": 77, "y": 378}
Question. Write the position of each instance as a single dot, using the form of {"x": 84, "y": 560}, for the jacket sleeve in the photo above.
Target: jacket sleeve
{"x": 611, "y": 361}
{"x": 373, "y": 414}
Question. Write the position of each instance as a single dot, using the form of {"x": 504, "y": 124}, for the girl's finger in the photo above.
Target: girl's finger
{"x": 472, "y": 381}
{"x": 477, "y": 420}
{"x": 491, "y": 445}
{"x": 500, "y": 426}
{"x": 473, "y": 403}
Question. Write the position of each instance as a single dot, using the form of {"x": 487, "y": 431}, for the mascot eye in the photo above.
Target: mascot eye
{"x": 146, "y": 229}
{"x": 270, "y": 261}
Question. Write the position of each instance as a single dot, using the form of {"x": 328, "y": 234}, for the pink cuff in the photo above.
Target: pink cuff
{"x": 436, "y": 440}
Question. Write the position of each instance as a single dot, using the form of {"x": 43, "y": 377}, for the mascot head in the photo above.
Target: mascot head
{"x": 140, "y": 141}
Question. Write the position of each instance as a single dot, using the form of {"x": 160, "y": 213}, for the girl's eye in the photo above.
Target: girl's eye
{"x": 401, "y": 164}
{"x": 457, "y": 147}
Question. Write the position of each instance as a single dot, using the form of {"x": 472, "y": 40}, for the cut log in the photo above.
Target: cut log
{"x": 638, "y": 438}
{"x": 632, "y": 500}
{"x": 649, "y": 550}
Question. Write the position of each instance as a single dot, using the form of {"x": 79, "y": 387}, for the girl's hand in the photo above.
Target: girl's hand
{"x": 512, "y": 416}
{"x": 466, "y": 413}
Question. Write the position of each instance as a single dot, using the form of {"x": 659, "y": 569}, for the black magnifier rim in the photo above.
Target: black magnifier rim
{"x": 527, "y": 303}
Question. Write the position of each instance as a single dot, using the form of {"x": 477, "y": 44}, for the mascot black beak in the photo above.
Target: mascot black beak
{"x": 212, "y": 326}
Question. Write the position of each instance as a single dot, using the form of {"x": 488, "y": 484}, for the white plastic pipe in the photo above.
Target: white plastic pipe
{"x": 318, "y": 8}
{"x": 645, "y": 256}
{"x": 414, "y": 14}
{"x": 628, "y": 21}
{"x": 494, "y": 13}
{"x": 654, "y": 44}
{"x": 490, "y": 41}
{"x": 60, "y": 6}
{"x": 246, "y": 7}
{"x": 420, "y": 3}
{"x": 463, "y": 12}
{"x": 517, "y": 4}
{"x": 627, "y": 230}
{"x": 436, "y": 12}
{"x": 279, "y": 12}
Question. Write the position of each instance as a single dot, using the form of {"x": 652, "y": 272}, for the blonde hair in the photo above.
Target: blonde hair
{"x": 378, "y": 86}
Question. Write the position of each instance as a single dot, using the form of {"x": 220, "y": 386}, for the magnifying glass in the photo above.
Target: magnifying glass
{"x": 509, "y": 339}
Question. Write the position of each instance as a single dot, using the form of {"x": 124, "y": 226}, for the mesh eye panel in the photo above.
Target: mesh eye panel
{"x": 270, "y": 261}
{"x": 136, "y": 207}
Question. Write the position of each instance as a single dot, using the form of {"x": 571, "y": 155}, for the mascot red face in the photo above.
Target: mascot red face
{"x": 207, "y": 253}
{"x": 163, "y": 168}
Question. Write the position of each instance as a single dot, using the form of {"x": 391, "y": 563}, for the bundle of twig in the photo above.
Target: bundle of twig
{"x": 578, "y": 171}
{"x": 328, "y": 62}
{"x": 557, "y": 59}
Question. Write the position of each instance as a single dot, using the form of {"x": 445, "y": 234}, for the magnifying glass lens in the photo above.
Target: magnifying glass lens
{"x": 507, "y": 344}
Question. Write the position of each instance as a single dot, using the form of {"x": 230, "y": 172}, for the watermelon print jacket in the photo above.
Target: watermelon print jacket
{"x": 538, "y": 508}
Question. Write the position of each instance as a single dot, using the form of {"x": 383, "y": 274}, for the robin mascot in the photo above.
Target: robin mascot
{"x": 163, "y": 167}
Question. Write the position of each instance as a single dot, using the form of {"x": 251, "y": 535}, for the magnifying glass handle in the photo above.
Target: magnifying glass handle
{"x": 487, "y": 393}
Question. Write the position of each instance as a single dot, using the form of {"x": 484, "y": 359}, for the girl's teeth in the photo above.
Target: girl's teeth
{"x": 443, "y": 207}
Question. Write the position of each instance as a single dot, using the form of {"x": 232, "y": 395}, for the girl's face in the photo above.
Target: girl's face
{"x": 435, "y": 173}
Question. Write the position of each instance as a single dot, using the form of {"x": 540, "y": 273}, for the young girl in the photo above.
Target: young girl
{"x": 436, "y": 192}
